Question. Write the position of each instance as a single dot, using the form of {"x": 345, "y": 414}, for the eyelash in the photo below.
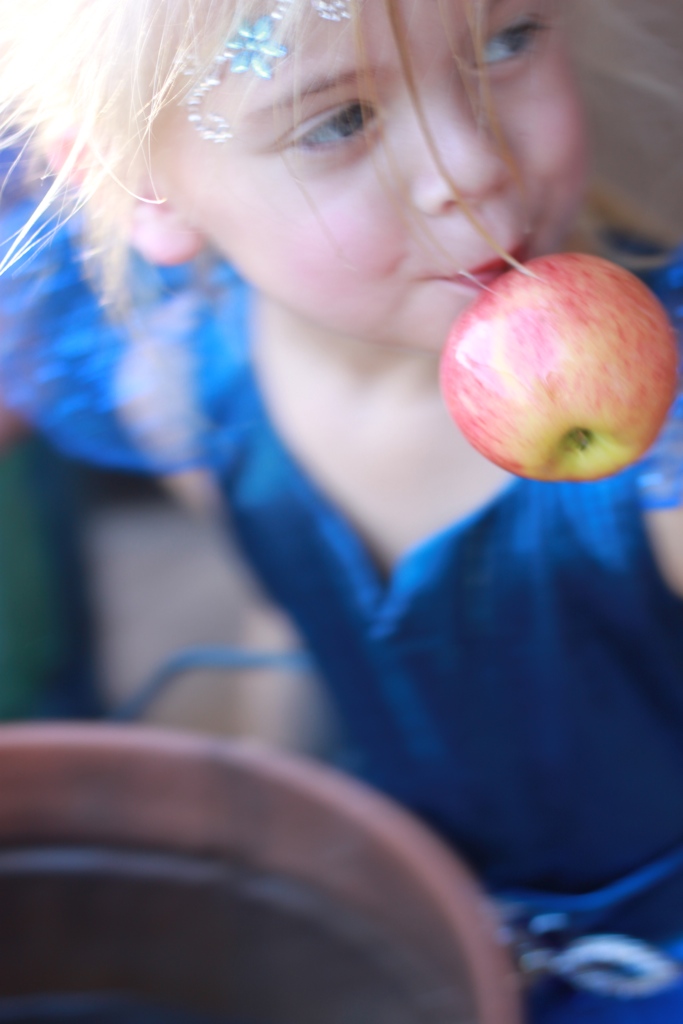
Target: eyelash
{"x": 342, "y": 126}
{"x": 519, "y": 38}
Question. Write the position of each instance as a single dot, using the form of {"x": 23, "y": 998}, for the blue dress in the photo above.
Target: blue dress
{"x": 518, "y": 680}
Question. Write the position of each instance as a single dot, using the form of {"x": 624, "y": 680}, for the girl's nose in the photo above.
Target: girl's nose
{"x": 458, "y": 161}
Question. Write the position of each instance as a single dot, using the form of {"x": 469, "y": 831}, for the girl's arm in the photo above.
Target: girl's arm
{"x": 665, "y": 530}
{"x": 662, "y": 472}
{"x": 120, "y": 393}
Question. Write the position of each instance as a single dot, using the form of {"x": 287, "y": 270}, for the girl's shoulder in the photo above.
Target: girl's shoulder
{"x": 662, "y": 475}
{"x": 139, "y": 390}
{"x": 661, "y": 479}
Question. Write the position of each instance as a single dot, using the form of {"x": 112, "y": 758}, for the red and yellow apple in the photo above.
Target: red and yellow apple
{"x": 565, "y": 372}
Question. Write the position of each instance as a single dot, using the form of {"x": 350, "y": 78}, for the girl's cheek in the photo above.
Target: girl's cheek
{"x": 574, "y": 178}
{"x": 560, "y": 151}
{"x": 349, "y": 244}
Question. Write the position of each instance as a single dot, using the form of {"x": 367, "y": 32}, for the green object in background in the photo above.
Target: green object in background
{"x": 30, "y": 634}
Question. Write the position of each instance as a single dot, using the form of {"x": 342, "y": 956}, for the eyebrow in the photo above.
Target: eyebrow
{"x": 315, "y": 86}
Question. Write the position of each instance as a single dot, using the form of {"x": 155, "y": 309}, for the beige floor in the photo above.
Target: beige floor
{"x": 164, "y": 579}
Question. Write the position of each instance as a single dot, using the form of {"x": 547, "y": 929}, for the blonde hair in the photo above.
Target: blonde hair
{"x": 98, "y": 73}
{"x": 81, "y": 97}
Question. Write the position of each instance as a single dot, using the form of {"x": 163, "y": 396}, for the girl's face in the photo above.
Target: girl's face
{"x": 329, "y": 198}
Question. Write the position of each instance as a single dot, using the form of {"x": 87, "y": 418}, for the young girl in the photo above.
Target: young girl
{"x": 327, "y": 185}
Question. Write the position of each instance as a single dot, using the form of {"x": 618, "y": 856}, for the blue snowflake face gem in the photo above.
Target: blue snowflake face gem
{"x": 252, "y": 49}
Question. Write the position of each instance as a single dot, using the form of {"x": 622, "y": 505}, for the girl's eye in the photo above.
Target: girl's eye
{"x": 344, "y": 124}
{"x": 513, "y": 41}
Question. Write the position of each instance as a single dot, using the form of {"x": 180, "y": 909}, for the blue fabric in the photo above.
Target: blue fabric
{"x": 555, "y": 1003}
{"x": 517, "y": 682}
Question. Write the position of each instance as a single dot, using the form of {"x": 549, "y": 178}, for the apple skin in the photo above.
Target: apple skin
{"x": 566, "y": 372}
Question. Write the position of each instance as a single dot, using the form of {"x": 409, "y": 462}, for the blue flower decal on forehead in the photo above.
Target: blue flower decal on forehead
{"x": 252, "y": 49}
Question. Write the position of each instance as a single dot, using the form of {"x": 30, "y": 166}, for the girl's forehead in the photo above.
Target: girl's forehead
{"x": 372, "y": 19}
{"x": 321, "y": 49}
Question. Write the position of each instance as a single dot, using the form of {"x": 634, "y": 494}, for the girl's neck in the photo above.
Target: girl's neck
{"x": 368, "y": 425}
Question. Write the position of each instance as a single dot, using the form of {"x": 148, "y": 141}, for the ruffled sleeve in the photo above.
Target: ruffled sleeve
{"x": 661, "y": 477}
{"x": 140, "y": 394}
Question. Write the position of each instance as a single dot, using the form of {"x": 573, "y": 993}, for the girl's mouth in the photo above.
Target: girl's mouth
{"x": 487, "y": 273}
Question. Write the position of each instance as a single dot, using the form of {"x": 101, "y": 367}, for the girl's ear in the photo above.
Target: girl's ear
{"x": 157, "y": 231}
{"x": 161, "y": 236}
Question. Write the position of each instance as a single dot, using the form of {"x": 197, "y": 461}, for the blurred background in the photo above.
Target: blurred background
{"x": 629, "y": 63}
{"x": 105, "y": 576}
{"x": 165, "y": 577}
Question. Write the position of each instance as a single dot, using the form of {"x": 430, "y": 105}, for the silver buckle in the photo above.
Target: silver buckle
{"x": 607, "y": 965}
{"x": 616, "y": 965}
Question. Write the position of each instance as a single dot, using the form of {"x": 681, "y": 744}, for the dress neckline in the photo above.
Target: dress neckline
{"x": 380, "y": 594}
